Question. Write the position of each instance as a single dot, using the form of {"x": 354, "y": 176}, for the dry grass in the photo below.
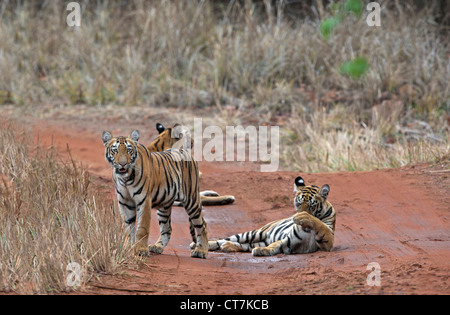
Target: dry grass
{"x": 51, "y": 217}
{"x": 248, "y": 56}
{"x": 178, "y": 52}
{"x": 326, "y": 144}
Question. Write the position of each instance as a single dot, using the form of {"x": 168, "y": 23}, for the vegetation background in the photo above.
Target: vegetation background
{"x": 284, "y": 62}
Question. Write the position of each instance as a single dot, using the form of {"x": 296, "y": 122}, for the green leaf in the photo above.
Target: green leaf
{"x": 355, "y": 68}
{"x": 355, "y": 6}
{"x": 327, "y": 26}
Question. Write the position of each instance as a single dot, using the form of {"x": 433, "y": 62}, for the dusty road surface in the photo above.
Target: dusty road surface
{"x": 398, "y": 218}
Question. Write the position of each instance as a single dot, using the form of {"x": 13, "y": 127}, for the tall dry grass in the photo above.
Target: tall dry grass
{"x": 253, "y": 56}
{"x": 50, "y": 217}
{"x": 325, "y": 143}
{"x": 176, "y": 52}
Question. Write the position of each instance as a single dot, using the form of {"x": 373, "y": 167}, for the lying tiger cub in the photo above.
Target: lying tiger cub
{"x": 166, "y": 139}
{"x": 309, "y": 230}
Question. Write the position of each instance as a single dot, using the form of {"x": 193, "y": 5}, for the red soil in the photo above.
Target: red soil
{"x": 398, "y": 218}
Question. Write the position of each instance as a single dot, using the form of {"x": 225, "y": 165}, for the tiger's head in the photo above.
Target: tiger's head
{"x": 310, "y": 198}
{"x": 121, "y": 152}
{"x": 169, "y": 137}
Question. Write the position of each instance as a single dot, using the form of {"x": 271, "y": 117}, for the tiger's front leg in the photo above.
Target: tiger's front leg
{"x": 164, "y": 215}
{"x": 128, "y": 213}
{"x": 323, "y": 235}
{"x": 143, "y": 228}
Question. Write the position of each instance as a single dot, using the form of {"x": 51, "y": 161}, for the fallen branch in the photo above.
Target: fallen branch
{"x": 123, "y": 289}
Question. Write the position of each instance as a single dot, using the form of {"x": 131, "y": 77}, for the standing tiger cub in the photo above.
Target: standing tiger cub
{"x": 309, "y": 230}
{"x": 173, "y": 137}
{"x": 145, "y": 180}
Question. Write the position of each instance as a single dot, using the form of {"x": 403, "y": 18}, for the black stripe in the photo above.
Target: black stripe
{"x": 277, "y": 230}
{"x": 196, "y": 216}
{"x": 119, "y": 193}
{"x": 142, "y": 173}
{"x": 296, "y": 235}
{"x": 132, "y": 176}
{"x": 129, "y": 207}
{"x": 260, "y": 236}
{"x": 253, "y": 234}
{"x": 328, "y": 213}
{"x": 140, "y": 189}
{"x": 156, "y": 196}
{"x": 130, "y": 220}
{"x": 146, "y": 150}
{"x": 140, "y": 203}
{"x": 167, "y": 176}
{"x": 156, "y": 144}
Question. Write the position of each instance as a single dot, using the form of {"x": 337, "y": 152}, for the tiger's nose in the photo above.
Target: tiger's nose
{"x": 123, "y": 164}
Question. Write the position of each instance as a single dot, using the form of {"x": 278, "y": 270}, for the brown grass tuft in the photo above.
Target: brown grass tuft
{"x": 51, "y": 216}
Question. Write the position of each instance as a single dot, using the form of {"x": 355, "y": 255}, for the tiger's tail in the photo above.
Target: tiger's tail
{"x": 211, "y": 198}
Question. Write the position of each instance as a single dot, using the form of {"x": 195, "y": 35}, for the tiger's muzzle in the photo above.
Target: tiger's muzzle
{"x": 122, "y": 168}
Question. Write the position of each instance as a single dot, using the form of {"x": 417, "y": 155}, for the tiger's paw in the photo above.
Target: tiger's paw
{"x": 156, "y": 248}
{"x": 199, "y": 253}
{"x": 261, "y": 251}
{"x": 304, "y": 220}
{"x": 229, "y": 247}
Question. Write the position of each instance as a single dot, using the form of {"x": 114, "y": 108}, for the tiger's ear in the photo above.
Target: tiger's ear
{"x": 106, "y": 136}
{"x": 298, "y": 182}
{"x": 135, "y": 135}
{"x": 160, "y": 128}
{"x": 324, "y": 191}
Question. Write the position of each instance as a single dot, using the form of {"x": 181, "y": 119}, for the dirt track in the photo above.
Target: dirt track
{"x": 397, "y": 218}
